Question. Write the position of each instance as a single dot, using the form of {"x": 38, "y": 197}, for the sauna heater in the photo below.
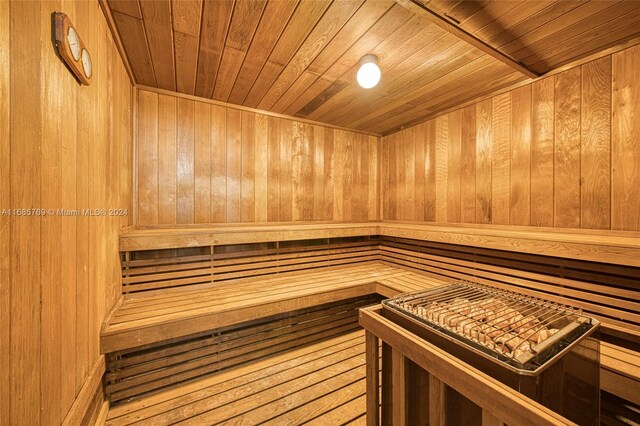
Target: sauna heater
{"x": 547, "y": 351}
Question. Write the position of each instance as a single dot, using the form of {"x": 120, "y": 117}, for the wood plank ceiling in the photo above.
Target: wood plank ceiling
{"x": 300, "y": 57}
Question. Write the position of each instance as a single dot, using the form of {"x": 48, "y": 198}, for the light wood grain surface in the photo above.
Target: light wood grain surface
{"x": 65, "y": 147}
{"x": 300, "y": 58}
{"x": 321, "y": 383}
{"x": 5, "y": 221}
{"x": 560, "y": 152}
{"x": 203, "y": 163}
{"x": 491, "y": 395}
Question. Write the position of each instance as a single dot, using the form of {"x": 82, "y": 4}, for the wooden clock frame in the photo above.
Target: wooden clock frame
{"x": 62, "y": 23}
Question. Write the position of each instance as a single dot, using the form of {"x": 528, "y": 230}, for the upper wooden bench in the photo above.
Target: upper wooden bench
{"x": 613, "y": 247}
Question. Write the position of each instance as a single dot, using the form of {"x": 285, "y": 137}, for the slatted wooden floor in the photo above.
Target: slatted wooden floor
{"x": 319, "y": 384}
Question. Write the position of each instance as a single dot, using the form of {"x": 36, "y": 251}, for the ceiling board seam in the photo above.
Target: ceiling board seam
{"x": 271, "y": 51}
{"x": 320, "y": 52}
{"x": 571, "y": 46}
{"x": 539, "y": 13}
{"x": 399, "y": 28}
{"x": 146, "y": 44}
{"x": 324, "y": 12}
{"x": 173, "y": 49}
{"x": 226, "y": 34}
{"x": 195, "y": 69}
{"x": 559, "y": 41}
{"x": 333, "y": 81}
{"x": 253, "y": 35}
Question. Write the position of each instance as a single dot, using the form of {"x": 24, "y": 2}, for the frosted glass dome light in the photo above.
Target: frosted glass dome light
{"x": 368, "y": 74}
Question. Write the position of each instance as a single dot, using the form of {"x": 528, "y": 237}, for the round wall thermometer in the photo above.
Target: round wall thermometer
{"x": 86, "y": 63}
{"x": 71, "y": 48}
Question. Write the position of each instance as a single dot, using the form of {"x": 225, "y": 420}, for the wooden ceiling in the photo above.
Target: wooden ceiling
{"x": 299, "y": 57}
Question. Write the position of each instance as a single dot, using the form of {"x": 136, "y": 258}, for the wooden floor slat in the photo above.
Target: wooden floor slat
{"x": 323, "y": 382}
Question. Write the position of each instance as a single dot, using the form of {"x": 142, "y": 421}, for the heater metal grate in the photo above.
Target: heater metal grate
{"x": 521, "y": 330}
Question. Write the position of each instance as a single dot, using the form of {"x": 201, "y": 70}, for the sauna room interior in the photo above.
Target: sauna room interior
{"x": 327, "y": 212}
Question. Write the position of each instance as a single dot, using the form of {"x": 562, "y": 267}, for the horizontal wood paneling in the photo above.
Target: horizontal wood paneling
{"x": 62, "y": 147}
{"x": 205, "y": 163}
{"x": 560, "y": 152}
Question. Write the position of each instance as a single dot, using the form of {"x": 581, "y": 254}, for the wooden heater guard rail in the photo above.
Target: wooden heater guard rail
{"x": 500, "y": 404}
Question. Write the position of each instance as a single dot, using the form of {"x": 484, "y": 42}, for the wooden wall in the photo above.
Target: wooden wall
{"x": 62, "y": 146}
{"x": 199, "y": 162}
{"x": 563, "y": 151}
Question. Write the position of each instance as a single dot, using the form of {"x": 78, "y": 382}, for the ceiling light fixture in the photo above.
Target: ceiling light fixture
{"x": 368, "y": 74}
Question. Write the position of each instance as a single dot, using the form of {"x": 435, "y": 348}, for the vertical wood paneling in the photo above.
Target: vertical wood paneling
{"x": 25, "y": 231}
{"x": 358, "y": 201}
{"x": 567, "y": 149}
{"x": 218, "y": 164}
{"x": 430, "y": 171}
{"x": 63, "y": 148}
{"x": 595, "y": 148}
{"x": 400, "y": 174}
{"x": 441, "y": 165}
{"x": 52, "y": 311}
{"x": 392, "y": 146}
{"x": 248, "y": 204}
{"x": 167, "y": 157}
{"x": 202, "y": 163}
{"x": 542, "y": 157}
{"x": 468, "y": 165}
{"x": 223, "y": 165}
{"x": 625, "y": 141}
{"x": 318, "y": 172}
{"x": 286, "y": 134}
{"x": 148, "y": 150}
{"x": 407, "y": 167}
{"x": 520, "y": 183}
{"x": 273, "y": 171}
{"x": 338, "y": 170}
{"x": 562, "y": 151}
{"x": 66, "y": 282}
{"x": 385, "y": 163}
{"x": 454, "y": 166}
{"x": 5, "y": 220}
{"x": 500, "y": 159}
{"x": 420, "y": 146}
{"x": 234, "y": 164}
{"x": 260, "y": 165}
{"x": 185, "y": 161}
{"x": 373, "y": 160}
{"x": 483, "y": 161}
{"x": 306, "y": 208}
{"x": 301, "y": 172}
{"x": 347, "y": 146}
{"x": 329, "y": 166}
{"x": 85, "y": 125}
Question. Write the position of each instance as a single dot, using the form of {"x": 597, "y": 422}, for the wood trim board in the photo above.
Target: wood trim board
{"x": 615, "y": 247}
